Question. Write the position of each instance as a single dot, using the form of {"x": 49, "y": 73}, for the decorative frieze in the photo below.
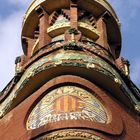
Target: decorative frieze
{"x": 70, "y": 134}
{"x": 65, "y": 58}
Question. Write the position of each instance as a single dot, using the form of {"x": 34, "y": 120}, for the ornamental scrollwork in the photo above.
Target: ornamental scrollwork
{"x": 70, "y": 134}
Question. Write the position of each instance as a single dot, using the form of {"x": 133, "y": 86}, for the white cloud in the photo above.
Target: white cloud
{"x": 10, "y": 29}
{"x": 10, "y": 40}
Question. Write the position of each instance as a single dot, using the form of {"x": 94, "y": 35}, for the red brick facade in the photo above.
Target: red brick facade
{"x": 71, "y": 82}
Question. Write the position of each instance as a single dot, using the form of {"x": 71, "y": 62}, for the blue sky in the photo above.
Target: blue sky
{"x": 11, "y": 14}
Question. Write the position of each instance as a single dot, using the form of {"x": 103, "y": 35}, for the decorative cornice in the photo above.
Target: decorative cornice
{"x": 67, "y": 59}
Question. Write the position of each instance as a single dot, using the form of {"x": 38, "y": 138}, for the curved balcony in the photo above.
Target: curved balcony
{"x": 65, "y": 3}
{"x": 60, "y": 28}
{"x": 96, "y": 7}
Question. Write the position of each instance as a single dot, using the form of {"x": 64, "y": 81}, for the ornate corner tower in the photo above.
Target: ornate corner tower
{"x": 71, "y": 83}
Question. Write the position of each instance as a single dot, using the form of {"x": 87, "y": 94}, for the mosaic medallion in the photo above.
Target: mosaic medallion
{"x": 67, "y": 103}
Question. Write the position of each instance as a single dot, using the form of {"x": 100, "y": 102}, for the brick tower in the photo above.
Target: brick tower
{"x": 71, "y": 83}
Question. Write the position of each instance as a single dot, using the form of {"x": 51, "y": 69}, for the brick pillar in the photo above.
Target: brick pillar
{"x": 73, "y": 14}
{"x": 28, "y": 45}
{"x": 31, "y": 43}
{"x": 101, "y": 27}
{"x": 44, "y": 38}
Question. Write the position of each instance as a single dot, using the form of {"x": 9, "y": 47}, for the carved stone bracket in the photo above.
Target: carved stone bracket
{"x": 72, "y": 45}
{"x": 72, "y": 35}
{"x": 40, "y": 11}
